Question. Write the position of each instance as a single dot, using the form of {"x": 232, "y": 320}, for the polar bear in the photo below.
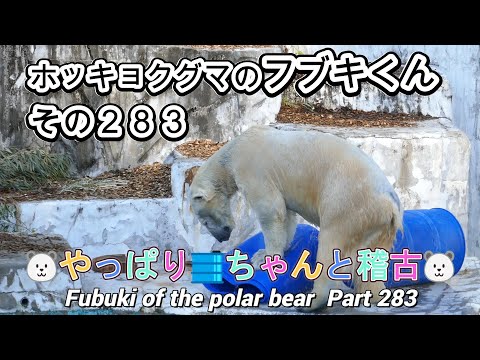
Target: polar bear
{"x": 325, "y": 179}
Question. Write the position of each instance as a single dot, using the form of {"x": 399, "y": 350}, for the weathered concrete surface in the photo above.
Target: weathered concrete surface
{"x": 210, "y": 115}
{"x": 438, "y": 104}
{"x": 427, "y": 165}
{"x": 104, "y": 227}
{"x": 459, "y": 65}
{"x": 371, "y": 98}
{"x": 17, "y": 291}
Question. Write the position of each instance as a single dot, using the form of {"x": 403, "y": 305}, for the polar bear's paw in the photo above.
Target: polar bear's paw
{"x": 258, "y": 259}
{"x": 318, "y": 303}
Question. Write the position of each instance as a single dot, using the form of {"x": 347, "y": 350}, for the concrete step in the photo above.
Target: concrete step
{"x": 427, "y": 165}
{"x": 18, "y": 292}
{"x": 103, "y": 227}
{"x": 438, "y": 104}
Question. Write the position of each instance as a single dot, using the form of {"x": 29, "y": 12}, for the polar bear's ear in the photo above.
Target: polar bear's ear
{"x": 450, "y": 255}
{"x": 427, "y": 254}
{"x": 52, "y": 254}
{"x": 30, "y": 254}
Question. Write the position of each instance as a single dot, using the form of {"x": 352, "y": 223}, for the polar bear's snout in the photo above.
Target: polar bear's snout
{"x": 219, "y": 230}
{"x": 223, "y": 234}
{"x": 213, "y": 211}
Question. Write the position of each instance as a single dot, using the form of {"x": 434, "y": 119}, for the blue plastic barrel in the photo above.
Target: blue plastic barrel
{"x": 436, "y": 230}
{"x": 306, "y": 237}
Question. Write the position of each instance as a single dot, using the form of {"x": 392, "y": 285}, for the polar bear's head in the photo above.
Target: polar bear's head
{"x": 211, "y": 206}
{"x": 41, "y": 267}
{"x": 439, "y": 267}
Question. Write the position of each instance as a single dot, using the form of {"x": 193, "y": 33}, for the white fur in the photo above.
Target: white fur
{"x": 325, "y": 179}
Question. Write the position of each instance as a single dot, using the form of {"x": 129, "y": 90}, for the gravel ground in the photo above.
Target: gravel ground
{"x": 203, "y": 148}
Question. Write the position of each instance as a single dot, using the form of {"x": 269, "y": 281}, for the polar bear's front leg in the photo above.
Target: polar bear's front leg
{"x": 275, "y": 233}
{"x": 275, "y": 236}
{"x": 328, "y": 240}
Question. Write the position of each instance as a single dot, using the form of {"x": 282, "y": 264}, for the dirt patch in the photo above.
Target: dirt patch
{"x": 148, "y": 181}
{"x": 343, "y": 117}
{"x": 17, "y": 242}
{"x": 202, "y": 149}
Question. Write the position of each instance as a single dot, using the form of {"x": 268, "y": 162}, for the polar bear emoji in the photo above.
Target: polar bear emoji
{"x": 41, "y": 267}
{"x": 328, "y": 181}
{"x": 439, "y": 267}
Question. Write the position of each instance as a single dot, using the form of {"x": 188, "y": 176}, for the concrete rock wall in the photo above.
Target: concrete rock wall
{"x": 219, "y": 118}
{"x": 210, "y": 115}
{"x": 438, "y": 104}
{"x": 371, "y": 98}
{"x": 459, "y": 66}
{"x": 106, "y": 227}
{"x": 18, "y": 292}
